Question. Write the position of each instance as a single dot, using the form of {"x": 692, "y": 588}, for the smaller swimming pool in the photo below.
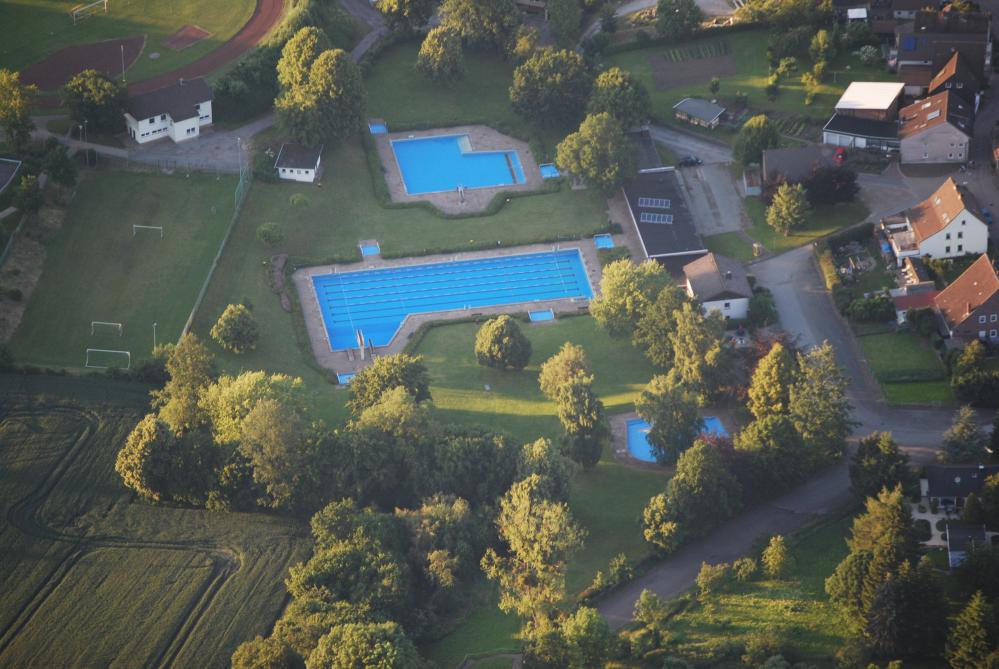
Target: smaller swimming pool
{"x": 541, "y": 315}
{"x": 345, "y": 378}
{"x": 440, "y": 163}
{"x": 549, "y": 171}
{"x": 371, "y": 249}
{"x": 378, "y": 128}
{"x": 638, "y": 429}
{"x": 604, "y": 241}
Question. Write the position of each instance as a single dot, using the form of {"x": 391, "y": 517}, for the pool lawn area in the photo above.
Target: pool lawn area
{"x": 897, "y": 356}
{"x": 821, "y": 221}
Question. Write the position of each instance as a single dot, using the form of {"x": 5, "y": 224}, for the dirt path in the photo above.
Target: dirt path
{"x": 265, "y": 16}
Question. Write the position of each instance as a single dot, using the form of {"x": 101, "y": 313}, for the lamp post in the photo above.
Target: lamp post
{"x": 122, "y": 63}
{"x": 154, "y": 336}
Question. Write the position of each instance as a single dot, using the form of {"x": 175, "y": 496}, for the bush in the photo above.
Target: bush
{"x": 923, "y": 530}
{"x": 236, "y": 329}
{"x": 298, "y": 200}
{"x": 270, "y": 234}
{"x": 922, "y": 321}
{"x": 745, "y": 569}
{"x": 713, "y": 577}
{"x": 878, "y": 309}
{"x": 500, "y": 343}
{"x": 761, "y": 645}
{"x": 869, "y": 54}
{"x": 762, "y": 311}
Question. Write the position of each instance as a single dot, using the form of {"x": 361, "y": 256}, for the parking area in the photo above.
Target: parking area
{"x": 714, "y": 199}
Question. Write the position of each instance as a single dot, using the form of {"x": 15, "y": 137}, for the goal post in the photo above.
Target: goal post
{"x": 137, "y": 228}
{"x": 102, "y": 358}
{"x": 85, "y": 11}
{"x": 106, "y": 327}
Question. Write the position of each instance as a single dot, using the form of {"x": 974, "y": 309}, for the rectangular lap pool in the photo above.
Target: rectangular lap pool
{"x": 377, "y": 301}
{"x": 638, "y": 443}
{"x": 442, "y": 163}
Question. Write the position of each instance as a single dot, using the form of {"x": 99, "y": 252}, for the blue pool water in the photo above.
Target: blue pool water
{"x": 549, "y": 171}
{"x": 370, "y": 249}
{"x": 541, "y": 316}
{"x": 377, "y": 301}
{"x": 603, "y": 241}
{"x": 639, "y": 447}
{"x": 436, "y": 164}
{"x": 345, "y": 378}
{"x": 378, "y": 128}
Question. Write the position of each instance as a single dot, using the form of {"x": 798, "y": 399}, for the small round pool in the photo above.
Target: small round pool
{"x": 638, "y": 444}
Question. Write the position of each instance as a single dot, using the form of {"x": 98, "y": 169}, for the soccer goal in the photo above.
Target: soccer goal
{"x": 83, "y": 12}
{"x": 105, "y": 328}
{"x": 102, "y": 358}
{"x": 137, "y": 228}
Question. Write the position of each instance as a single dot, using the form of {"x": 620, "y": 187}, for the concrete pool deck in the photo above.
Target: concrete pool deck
{"x": 482, "y": 138}
{"x": 350, "y": 361}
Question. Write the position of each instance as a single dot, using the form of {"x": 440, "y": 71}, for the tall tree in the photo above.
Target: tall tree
{"x": 16, "y": 100}
{"x": 845, "y": 588}
{"x": 385, "y": 373}
{"x": 406, "y": 15}
{"x": 677, "y": 18}
{"x": 887, "y": 520}
{"x": 776, "y": 558}
{"x": 964, "y": 441}
{"x": 776, "y": 454}
{"x": 699, "y": 360}
{"x": 486, "y": 23}
{"x": 657, "y": 323}
{"x": 228, "y": 401}
{"x": 236, "y": 329}
{"x": 298, "y": 55}
{"x": 588, "y": 638}
{"x": 282, "y": 455}
{"x": 441, "y": 57}
{"x": 818, "y": 403}
{"x": 621, "y": 95}
{"x": 626, "y": 291}
{"x": 329, "y": 106}
{"x": 565, "y": 18}
{"x": 756, "y": 135}
{"x": 500, "y": 343}
{"x": 190, "y": 368}
{"x": 970, "y": 640}
{"x": 673, "y": 416}
{"x": 878, "y": 463}
{"x": 148, "y": 460}
{"x": 584, "y": 420}
{"x": 599, "y": 153}
{"x": 548, "y": 461}
{"x": 570, "y": 362}
{"x": 788, "y": 209}
{"x": 770, "y": 388}
{"x": 368, "y": 645}
{"x": 551, "y": 88}
{"x": 906, "y": 617}
{"x": 540, "y": 536}
{"x": 94, "y": 97}
{"x": 264, "y": 653}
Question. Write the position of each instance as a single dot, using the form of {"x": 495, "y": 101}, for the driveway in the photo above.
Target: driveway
{"x": 713, "y": 198}
{"x": 682, "y": 144}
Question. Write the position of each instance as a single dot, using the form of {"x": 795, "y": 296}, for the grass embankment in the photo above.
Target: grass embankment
{"x": 907, "y": 367}
{"x": 97, "y": 270}
{"x": 821, "y": 221}
{"x": 86, "y": 553}
{"x": 44, "y": 26}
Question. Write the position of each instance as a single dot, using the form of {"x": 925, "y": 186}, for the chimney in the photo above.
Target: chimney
{"x": 968, "y": 310}
{"x": 728, "y": 276}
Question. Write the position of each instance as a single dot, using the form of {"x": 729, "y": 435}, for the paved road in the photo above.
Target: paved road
{"x": 682, "y": 144}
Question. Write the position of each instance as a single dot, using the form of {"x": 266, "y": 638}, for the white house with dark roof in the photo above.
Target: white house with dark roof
{"x": 698, "y": 111}
{"x": 296, "y": 162}
{"x": 720, "y": 284}
{"x": 178, "y": 111}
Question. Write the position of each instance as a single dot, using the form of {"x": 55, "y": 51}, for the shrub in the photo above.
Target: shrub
{"x": 236, "y": 329}
{"x": 777, "y": 560}
{"x": 713, "y": 577}
{"x": 761, "y": 645}
{"x": 878, "y": 309}
{"x": 270, "y": 234}
{"x": 298, "y": 200}
{"x": 922, "y": 321}
{"x": 501, "y": 344}
{"x": 922, "y": 529}
{"x": 745, "y": 569}
{"x": 869, "y": 54}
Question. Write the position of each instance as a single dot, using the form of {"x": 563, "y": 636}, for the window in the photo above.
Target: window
{"x": 946, "y": 249}
{"x": 960, "y": 248}
{"x": 950, "y": 155}
{"x": 948, "y": 235}
{"x": 948, "y": 85}
{"x": 198, "y": 106}
{"x": 728, "y": 305}
{"x": 960, "y": 84}
{"x": 981, "y": 319}
{"x": 152, "y": 121}
{"x": 960, "y": 235}
{"x": 993, "y": 333}
{"x": 162, "y": 117}
{"x": 992, "y": 318}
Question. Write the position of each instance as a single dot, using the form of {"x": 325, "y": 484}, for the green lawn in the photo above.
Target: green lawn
{"x": 96, "y": 270}
{"x": 748, "y": 52}
{"x": 898, "y": 356}
{"x": 730, "y": 244}
{"x": 44, "y": 26}
{"x": 920, "y": 392}
{"x": 821, "y": 221}
{"x": 797, "y": 606}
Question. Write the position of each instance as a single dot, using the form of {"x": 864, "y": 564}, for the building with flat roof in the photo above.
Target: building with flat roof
{"x": 660, "y": 214}
{"x": 296, "y": 162}
{"x": 874, "y": 100}
{"x": 860, "y": 133}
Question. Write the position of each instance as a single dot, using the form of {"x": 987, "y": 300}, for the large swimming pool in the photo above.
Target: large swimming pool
{"x": 377, "y": 301}
{"x": 638, "y": 430}
{"x": 444, "y": 162}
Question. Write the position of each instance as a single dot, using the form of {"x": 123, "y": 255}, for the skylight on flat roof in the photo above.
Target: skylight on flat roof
{"x": 653, "y": 203}
{"x": 647, "y": 217}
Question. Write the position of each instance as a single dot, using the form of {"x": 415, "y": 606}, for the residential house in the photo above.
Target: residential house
{"x": 937, "y": 129}
{"x": 698, "y": 111}
{"x": 720, "y": 284}
{"x": 969, "y": 306}
{"x": 961, "y": 538}
{"x": 932, "y": 37}
{"x": 796, "y": 164}
{"x": 956, "y": 76}
{"x": 905, "y": 301}
{"x": 948, "y": 224}
{"x": 916, "y": 78}
{"x": 296, "y": 162}
{"x": 865, "y": 116}
{"x": 178, "y": 111}
{"x": 949, "y": 485}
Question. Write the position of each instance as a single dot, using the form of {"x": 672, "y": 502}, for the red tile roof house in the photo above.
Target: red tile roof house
{"x": 923, "y": 300}
{"x": 937, "y": 129}
{"x": 969, "y": 306}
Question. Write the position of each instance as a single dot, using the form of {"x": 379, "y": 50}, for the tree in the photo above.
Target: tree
{"x": 878, "y": 463}
{"x": 677, "y": 18}
{"x": 441, "y": 57}
{"x": 906, "y": 617}
{"x": 788, "y": 209}
{"x": 570, "y": 362}
{"x": 672, "y": 413}
{"x": 406, "y": 15}
{"x": 236, "y": 329}
{"x": 59, "y": 166}
{"x": 551, "y": 88}
{"x": 28, "y": 196}
{"x": 146, "y": 462}
{"x": 368, "y": 645}
{"x": 500, "y": 343}
{"x": 964, "y": 441}
{"x": 486, "y": 23}
{"x": 969, "y": 639}
{"x": 599, "y": 153}
{"x": 755, "y": 136}
{"x": 714, "y": 85}
{"x": 329, "y": 106}
{"x": 548, "y": 461}
{"x": 275, "y": 442}
{"x": 96, "y": 98}
{"x": 777, "y": 458}
{"x": 702, "y": 494}
{"x": 656, "y": 324}
{"x": 525, "y": 43}
{"x": 776, "y": 558}
{"x": 698, "y": 357}
{"x": 990, "y": 500}
{"x": 445, "y": 537}
{"x": 587, "y": 637}
{"x": 980, "y": 571}
{"x": 845, "y": 587}
{"x": 228, "y": 401}
{"x": 885, "y": 531}
{"x": 564, "y": 18}
{"x": 264, "y": 653}
{"x": 818, "y": 404}
{"x": 770, "y": 388}
{"x": 822, "y": 47}
{"x": 190, "y": 368}
{"x": 584, "y": 420}
{"x": 473, "y": 464}
{"x": 16, "y": 101}
{"x": 385, "y": 373}
{"x": 626, "y": 291}
{"x": 831, "y": 184}
{"x": 298, "y": 55}
{"x": 621, "y": 95}
{"x": 540, "y": 536}
{"x": 973, "y": 512}
{"x": 994, "y": 436}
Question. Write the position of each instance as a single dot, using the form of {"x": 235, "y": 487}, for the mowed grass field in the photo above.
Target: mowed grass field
{"x": 38, "y": 28}
{"x": 92, "y": 576}
{"x": 896, "y": 355}
{"x": 96, "y": 270}
{"x": 820, "y": 222}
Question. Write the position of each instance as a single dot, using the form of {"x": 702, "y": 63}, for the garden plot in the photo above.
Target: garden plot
{"x": 700, "y": 63}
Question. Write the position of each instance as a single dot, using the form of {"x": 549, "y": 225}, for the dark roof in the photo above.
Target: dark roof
{"x": 960, "y": 536}
{"x": 965, "y": 23}
{"x": 862, "y": 127}
{"x": 797, "y": 163}
{"x": 944, "y": 107}
{"x": 699, "y": 108}
{"x": 646, "y": 153}
{"x": 8, "y": 169}
{"x": 957, "y": 480}
{"x": 908, "y": 5}
{"x": 298, "y": 157}
{"x": 915, "y": 75}
{"x": 677, "y": 237}
{"x": 714, "y": 277}
{"x": 177, "y": 100}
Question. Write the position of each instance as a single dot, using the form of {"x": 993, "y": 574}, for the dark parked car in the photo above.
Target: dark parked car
{"x": 690, "y": 161}
{"x": 987, "y": 215}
